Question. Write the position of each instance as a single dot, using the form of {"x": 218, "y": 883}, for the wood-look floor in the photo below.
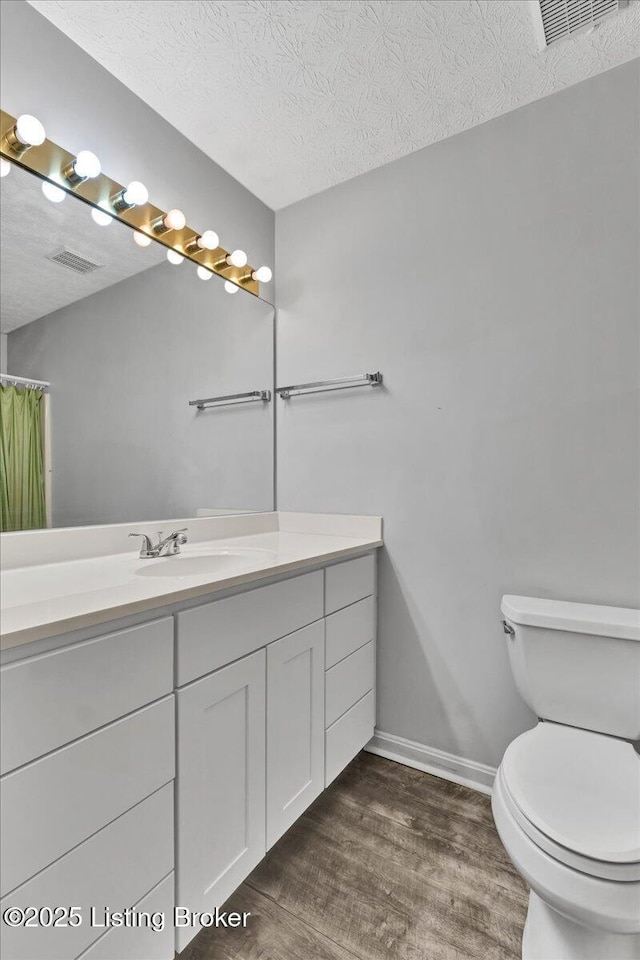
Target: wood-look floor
{"x": 388, "y": 864}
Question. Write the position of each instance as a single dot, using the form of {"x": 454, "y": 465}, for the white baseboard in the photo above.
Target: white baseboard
{"x": 469, "y": 773}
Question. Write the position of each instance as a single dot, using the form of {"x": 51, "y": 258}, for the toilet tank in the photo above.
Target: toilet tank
{"x": 576, "y": 663}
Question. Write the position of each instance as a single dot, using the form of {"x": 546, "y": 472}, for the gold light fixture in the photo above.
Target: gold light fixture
{"x": 23, "y": 142}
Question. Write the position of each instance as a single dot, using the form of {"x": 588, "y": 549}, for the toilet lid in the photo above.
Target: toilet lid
{"x": 580, "y": 789}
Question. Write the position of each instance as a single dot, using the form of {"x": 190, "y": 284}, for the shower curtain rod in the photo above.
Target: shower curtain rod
{"x": 26, "y": 381}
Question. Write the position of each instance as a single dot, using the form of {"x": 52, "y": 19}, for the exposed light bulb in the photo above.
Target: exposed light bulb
{"x": 174, "y": 220}
{"x": 26, "y": 132}
{"x": 5, "y": 167}
{"x": 203, "y": 273}
{"x": 53, "y": 193}
{"x": 135, "y": 195}
{"x": 230, "y": 287}
{"x": 174, "y": 257}
{"x": 101, "y": 218}
{"x": 85, "y": 166}
{"x": 29, "y": 131}
{"x": 141, "y": 238}
{"x": 262, "y": 274}
{"x": 209, "y": 240}
{"x": 237, "y": 259}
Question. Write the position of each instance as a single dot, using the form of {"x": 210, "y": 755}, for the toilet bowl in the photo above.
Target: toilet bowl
{"x": 566, "y": 800}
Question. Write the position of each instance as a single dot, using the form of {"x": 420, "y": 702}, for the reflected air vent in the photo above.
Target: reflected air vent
{"x": 73, "y": 261}
{"x": 562, "y": 18}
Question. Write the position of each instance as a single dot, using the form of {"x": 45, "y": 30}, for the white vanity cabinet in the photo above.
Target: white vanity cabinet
{"x": 253, "y": 700}
{"x": 220, "y": 790}
{"x": 295, "y": 726}
{"x": 86, "y": 795}
{"x": 350, "y": 661}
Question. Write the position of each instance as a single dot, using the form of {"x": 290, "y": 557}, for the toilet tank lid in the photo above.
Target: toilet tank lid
{"x": 619, "y": 622}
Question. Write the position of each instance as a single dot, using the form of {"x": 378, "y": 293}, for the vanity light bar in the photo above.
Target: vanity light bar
{"x": 23, "y": 142}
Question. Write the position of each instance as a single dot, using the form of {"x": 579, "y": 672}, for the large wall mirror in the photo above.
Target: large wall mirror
{"x": 122, "y": 340}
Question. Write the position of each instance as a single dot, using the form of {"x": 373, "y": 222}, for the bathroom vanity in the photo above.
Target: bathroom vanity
{"x": 160, "y": 733}
{"x": 166, "y": 714}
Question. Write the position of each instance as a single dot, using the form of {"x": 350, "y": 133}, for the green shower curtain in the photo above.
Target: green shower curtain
{"x": 22, "y": 501}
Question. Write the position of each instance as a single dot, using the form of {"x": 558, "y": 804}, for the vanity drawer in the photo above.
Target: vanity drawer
{"x": 217, "y": 633}
{"x": 115, "y": 868}
{"x": 348, "y": 630}
{"x": 142, "y": 943}
{"x": 49, "y": 700}
{"x": 56, "y": 802}
{"x": 348, "y": 681}
{"x": 348, "y": 735}
{"x": 349, "y": 581}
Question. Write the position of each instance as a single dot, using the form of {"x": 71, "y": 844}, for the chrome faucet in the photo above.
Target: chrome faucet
{"x": 165, "y": 547}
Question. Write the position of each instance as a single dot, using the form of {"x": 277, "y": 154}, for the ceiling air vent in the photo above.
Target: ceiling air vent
{"x": 73, "y": 261}
{"x": 562, "y": 18}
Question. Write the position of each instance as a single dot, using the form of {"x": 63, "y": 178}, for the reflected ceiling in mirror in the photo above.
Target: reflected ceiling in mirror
{"x": 55, "y": 253}
{"x": 127, "y": 340}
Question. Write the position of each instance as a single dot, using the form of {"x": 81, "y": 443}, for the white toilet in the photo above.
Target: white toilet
{"x": 566, "y": 799}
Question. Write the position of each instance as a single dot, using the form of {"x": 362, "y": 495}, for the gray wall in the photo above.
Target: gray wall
{"x": 493, "y": 279}
{"x": 83, "y": 106}
{"x": 123, "y": 365}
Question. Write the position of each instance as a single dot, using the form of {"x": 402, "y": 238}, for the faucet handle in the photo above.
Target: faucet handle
{"x": 178, "y": 535}
{"x": 146, "y": 549}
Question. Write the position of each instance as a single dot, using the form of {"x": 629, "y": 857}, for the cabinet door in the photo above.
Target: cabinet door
{"x": 220, "y": 790}
{"x": 295, "y": 726}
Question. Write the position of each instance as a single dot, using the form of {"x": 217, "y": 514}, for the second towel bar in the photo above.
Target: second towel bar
{"x": 340, "y": 383}
{"x": 250, "y": 397}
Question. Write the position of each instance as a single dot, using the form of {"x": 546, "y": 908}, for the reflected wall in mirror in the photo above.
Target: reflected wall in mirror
{"x": 124, "y": 339}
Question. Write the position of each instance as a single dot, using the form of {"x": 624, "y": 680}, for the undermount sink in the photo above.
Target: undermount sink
{"x": 203, "y": 563}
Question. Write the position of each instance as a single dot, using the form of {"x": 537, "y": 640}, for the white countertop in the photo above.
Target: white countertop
{"x": 53, "y": 598}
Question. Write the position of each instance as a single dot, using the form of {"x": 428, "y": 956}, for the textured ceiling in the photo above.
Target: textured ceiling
{"x": 33, "y": 229}
{"x": 294, "y": 96}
